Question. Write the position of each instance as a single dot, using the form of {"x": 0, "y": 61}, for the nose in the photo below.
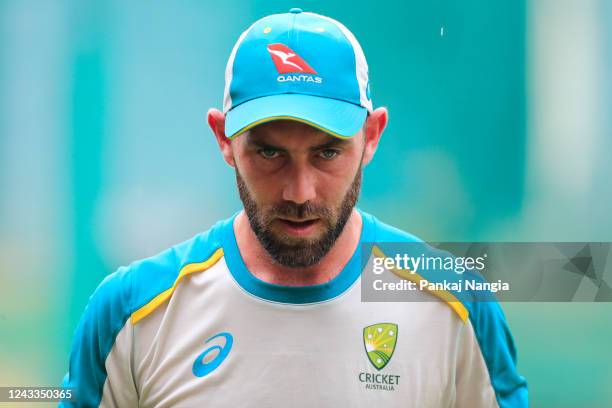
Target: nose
{"x": 300, "y": 185}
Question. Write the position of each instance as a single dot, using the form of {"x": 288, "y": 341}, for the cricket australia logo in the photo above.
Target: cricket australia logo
{"x": 379, "y": 341}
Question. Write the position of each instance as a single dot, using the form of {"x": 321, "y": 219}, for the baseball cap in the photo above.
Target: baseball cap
{"x": 297, "y": 66}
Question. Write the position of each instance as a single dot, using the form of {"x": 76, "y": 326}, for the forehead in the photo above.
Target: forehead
{"x": 290, "y": 134}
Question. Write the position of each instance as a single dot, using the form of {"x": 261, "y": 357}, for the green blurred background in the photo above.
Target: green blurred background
{"x": 499, "y": 130}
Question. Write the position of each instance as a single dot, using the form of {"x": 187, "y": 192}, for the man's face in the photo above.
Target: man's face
{"x": 298, "y": 186}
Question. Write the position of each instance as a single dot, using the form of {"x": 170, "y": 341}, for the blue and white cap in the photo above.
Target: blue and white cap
{"x": 297, "y": 66}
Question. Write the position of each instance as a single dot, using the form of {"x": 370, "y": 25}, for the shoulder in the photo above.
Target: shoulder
{"x": 136, "y": 287}
{"x": 485, "y": 317}
{"x": 131, "y": 287}
{"x": 389, "y": 241}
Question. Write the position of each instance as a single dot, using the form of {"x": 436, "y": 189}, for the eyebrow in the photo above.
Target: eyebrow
{"x": 334, "y": 142}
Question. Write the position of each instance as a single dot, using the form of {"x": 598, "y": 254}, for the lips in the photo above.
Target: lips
{"x": 298, "y": 224}
{"x": 299, "y": 227}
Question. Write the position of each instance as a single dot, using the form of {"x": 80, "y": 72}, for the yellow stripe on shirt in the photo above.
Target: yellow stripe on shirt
{"x": 188, "y": 269}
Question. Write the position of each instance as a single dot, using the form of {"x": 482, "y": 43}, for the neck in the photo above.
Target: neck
{"x": 262, "y": 266}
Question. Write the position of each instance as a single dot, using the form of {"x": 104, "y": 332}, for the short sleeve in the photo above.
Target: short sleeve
{"x": 487, "y": 374}
{"x": 100, "y": 358}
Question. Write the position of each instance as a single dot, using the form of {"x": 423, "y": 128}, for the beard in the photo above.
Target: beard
{"x": 291, "y": 251}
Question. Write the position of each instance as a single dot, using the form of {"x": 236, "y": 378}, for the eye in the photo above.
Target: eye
{"x": 328, "y": 154}
{"x": 268, "y": 153}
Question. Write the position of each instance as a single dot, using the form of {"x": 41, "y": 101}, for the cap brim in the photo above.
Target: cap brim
{"x": 338, "y": 118}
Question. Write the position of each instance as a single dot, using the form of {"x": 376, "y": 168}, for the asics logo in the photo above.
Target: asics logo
{"x": 288, "y": 61}
{"x": 201, "y": 368}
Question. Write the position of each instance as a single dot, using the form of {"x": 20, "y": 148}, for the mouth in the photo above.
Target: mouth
{"x": 299, "y": 227}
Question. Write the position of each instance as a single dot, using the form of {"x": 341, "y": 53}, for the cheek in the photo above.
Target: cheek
{"x": 334, "y": 182}
{"x": 260, "y": 182}
{"x": 333, "y": 187}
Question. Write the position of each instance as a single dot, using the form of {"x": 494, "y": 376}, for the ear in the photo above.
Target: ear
{"x": 216, "y": 121}
{"x": 375, "y": 125}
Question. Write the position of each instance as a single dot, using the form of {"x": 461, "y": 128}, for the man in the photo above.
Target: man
{"x": 264, "y": 308}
